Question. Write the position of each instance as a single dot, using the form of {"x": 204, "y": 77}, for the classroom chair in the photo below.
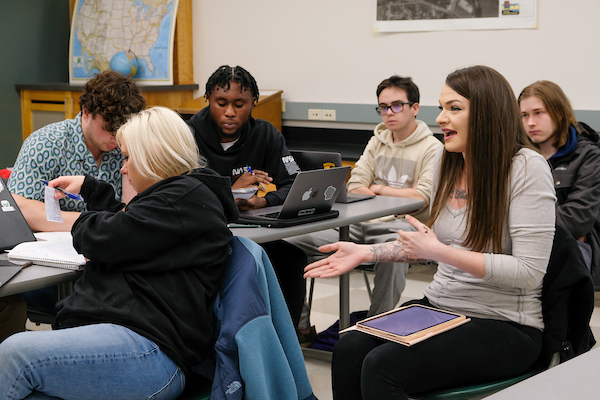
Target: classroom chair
{"x": 257, "y": 354}
{"x": 567, "y": 306}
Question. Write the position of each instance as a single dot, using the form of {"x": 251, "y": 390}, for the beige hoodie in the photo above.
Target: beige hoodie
{"x": 406, "y": 164}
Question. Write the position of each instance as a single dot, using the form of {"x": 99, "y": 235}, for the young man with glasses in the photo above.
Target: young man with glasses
{"x": 397, "y": 161}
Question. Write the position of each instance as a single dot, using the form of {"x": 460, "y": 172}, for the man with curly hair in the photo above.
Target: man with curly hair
{"x": 85, "y": 145}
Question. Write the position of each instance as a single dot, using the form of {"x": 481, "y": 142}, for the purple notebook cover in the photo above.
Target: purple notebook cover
{"x": 409, "y": 320}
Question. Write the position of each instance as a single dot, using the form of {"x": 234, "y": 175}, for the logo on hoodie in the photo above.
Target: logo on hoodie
{"x": 233, "y": 387}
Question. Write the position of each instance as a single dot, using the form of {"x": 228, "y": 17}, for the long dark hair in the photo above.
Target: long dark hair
{"x": 495, "y": 135}
{"x": 557, "y": 105}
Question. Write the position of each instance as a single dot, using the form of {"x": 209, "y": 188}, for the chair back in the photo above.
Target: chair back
{"x": 258, "y": 355}
{"x": 310, "y": 160}
{"x": 567, "y": 301}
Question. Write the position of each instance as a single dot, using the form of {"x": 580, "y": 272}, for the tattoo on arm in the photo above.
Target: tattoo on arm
{"x": 392, "y": 252}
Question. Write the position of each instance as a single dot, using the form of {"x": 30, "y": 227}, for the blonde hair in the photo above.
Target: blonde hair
{"x": 160, "y": 144}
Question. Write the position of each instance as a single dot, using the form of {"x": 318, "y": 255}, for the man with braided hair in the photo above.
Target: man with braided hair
{"x": 251, "y": 152}
{"x": 85, "y": 145}
{"x": 232, "y": 140}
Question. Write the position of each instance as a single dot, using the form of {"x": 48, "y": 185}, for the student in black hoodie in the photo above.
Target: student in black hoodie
{"x": 251, "y": 152}
{"x": 141, "y": 314}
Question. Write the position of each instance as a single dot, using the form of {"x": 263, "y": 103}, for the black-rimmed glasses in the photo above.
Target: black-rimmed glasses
{"x": 395, "y": 107}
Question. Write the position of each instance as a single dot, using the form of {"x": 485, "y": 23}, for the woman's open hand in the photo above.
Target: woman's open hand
{"x": 347, "y": 256}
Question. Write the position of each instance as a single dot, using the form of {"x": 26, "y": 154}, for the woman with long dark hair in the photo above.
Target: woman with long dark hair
{"x": 491, "y": 229}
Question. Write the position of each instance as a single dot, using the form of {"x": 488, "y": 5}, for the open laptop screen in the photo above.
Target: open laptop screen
{"x": 13, "y": 227}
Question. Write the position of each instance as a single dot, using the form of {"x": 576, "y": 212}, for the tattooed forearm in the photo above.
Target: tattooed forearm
{"x": 391, "y": 252}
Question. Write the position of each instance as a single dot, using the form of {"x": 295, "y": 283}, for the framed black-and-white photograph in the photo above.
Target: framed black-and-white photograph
{"x": 438, "y": 15}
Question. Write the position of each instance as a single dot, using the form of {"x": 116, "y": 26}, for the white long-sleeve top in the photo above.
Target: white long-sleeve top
{"x": 512, "y": 285}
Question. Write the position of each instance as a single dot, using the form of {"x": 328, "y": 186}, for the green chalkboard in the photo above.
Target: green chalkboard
{"x": 34, "y": 49}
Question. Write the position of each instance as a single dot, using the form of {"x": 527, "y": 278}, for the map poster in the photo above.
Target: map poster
{"x": 134, "y": 37}
{"x": 442, "y": 15}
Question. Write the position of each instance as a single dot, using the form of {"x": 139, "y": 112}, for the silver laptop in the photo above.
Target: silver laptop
{"x": 13, "y": 227}
{"x": 310, "y": 160}
{"x": 310, "y": 199}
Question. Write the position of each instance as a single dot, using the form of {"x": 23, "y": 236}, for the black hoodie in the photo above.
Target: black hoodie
{"x": 260, "y": 146}
{"x": 156, "y": 266}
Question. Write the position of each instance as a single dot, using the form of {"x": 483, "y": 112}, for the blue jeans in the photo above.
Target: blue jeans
{"x": 101, "y": 361}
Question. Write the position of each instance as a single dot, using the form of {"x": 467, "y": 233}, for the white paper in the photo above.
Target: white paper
{"x": 55, "y": 236}
{"x": 52, "y": 206}
{"x": 59, "y": 253}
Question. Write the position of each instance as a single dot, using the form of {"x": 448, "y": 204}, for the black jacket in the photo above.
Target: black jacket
{"x": 567, "y": 301}
{"x": 576, "y": 175}
{"x": 260, "y": 145}
{"x": 155, "y": 267}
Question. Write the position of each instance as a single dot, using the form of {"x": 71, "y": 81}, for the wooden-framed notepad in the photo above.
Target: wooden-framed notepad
{"x": 409, "y": 325}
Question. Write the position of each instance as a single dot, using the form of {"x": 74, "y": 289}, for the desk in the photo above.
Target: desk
{"x": 574, "y": 379}
{"x": 349, "y": 214}
{"x": 38, "y": 277}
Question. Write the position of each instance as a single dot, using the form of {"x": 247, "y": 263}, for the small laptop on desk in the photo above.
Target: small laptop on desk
{"x": 13, "y": 227}
{"x": 310, "y": 199}
{"x": 310, "y": 160}
{"x": 13, "y": 230}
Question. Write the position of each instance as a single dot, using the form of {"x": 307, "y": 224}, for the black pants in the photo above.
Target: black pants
{"x": 482, "y": 350}
{"x": 289, "y": 262}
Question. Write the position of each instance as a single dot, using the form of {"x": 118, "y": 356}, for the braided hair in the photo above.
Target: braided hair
{"x": 225, "y": 74}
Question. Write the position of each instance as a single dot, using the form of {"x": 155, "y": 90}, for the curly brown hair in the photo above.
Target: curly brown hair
{"x": 113, "y": 96}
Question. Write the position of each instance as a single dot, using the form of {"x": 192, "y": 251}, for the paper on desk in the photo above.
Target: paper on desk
{"x": 52, "y": 206}
{"x": 55, "y": 236}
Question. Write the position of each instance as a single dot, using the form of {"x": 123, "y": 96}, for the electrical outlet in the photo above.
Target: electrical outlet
{"x": 329, "y": 115}
{"x": 315, "y": 113}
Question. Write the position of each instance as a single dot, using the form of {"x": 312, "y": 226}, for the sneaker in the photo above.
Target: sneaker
{"x": 307, "y": 337}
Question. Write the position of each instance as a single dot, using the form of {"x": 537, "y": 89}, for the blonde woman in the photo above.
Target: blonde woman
{"x": 141, "y": 314}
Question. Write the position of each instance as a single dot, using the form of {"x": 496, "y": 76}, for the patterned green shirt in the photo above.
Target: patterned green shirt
{"x": 59, "y": 149}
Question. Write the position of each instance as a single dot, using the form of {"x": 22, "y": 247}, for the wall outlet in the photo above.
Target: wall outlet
{"x": 329, "y": 115}
{"x": 315, "y": 113}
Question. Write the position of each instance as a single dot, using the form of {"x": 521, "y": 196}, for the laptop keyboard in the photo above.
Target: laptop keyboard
{"x": 273, "y": 215}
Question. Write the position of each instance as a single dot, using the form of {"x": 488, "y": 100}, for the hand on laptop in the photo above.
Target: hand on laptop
{"x": 251, "y": 178}
{"x": 252, "y": 203}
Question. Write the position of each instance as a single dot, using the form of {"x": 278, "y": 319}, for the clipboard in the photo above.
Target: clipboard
{"x": 410, "y": 325}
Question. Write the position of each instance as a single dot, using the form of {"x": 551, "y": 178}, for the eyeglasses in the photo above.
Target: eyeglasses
{"x": 396, "y": 108}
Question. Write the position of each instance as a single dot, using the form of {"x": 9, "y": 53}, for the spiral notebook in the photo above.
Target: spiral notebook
{"x": 51, "y": 253}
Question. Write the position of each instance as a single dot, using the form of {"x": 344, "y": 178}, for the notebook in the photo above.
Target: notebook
{"x": 13, "y": 227}
{"x": 51, "y": 253}
{"x": 310, "y": 160}
{"x": 410, "y": 325}
{"x": 310, "y": 199}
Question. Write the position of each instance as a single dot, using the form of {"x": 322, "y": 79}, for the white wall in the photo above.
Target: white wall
{"x": 326, "y": 51}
